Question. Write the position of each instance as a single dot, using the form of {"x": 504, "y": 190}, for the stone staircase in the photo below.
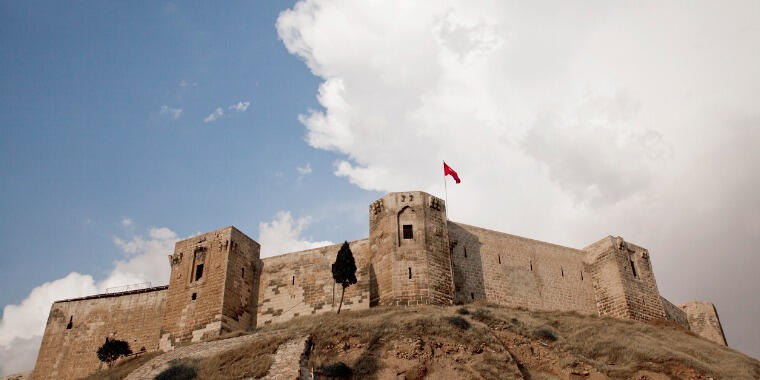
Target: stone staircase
{"x": 289, "y": 360}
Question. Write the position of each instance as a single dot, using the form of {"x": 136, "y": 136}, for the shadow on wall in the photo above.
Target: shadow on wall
{"x": 466, "y": 265}
{"x": 374, "y": 290}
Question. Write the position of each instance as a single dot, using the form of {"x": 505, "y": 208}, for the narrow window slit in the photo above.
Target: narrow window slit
{"x": 293, "y": 281}
{"x": 499, "y": 259}
{"x": 581, "y": 275}
{"x": 242, "y": 272}
{"x": 472, "y": 295}
{"x": 410, "y": 273}
{"x": 198, "y": 272}
{"x": 633, "y": 269}
{"x": 465, "y": 251}
{"x": 71, "y": 323}
{"x": 531, "y": 266}
{"x": 194, "y": 296}
{"x": 562, "y": 270}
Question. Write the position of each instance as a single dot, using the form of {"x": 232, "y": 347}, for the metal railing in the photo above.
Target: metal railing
{"x": 127, "y": 288}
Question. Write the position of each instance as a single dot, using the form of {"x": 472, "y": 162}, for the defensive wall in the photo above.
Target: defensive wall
{"x": 76, "y": 328}
{"x": 413, "y": 255}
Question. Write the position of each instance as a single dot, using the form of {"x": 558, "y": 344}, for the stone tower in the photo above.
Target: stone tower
{"x": 409, "y": 248}
{"x": 623, "y": 280}
{"x": 213, "y": 287}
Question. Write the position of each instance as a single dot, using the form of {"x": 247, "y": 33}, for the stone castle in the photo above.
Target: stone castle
{"x": 413, "y": 255}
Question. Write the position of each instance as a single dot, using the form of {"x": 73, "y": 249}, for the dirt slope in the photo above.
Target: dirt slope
{"x": 483, "y": 341}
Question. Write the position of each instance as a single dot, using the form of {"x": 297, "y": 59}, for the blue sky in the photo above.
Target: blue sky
{"x": 127, "y": 126}
{"x": 85, "y": 144}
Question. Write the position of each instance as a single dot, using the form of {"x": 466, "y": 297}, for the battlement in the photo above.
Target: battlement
{"x": 413, "y": 255}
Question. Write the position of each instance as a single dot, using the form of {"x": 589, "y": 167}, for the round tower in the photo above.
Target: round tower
{"x": 409, "y": 244}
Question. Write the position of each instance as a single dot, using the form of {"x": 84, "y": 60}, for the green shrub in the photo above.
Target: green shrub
{"x": 545, "y": 332}
{"x": 177, "y": 371}
{"x": 112, "y": 350}
{"x": 458, "y": 322}
{"x": 338, "y": 369}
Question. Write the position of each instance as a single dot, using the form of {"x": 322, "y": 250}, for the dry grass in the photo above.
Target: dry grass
{"x": 249, "y": 360}
{"x": 620, "y": 348}
{"x": 423, "y": 342}
{"x": 123, "y": 368}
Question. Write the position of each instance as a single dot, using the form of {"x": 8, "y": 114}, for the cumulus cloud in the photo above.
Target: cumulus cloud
{"x": 126, "y": 222}
{"x": 567, "y": 122}
{"x": 240, "y": 106}
{"x": 172, "y": 113}
{"x": 284, "y": 234}
{"x": 218, "y": 112}
{"x": 22, "y": 325}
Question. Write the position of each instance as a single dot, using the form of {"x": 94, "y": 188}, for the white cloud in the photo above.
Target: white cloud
{"x": 240, "y": 106}
{"x": 172, "y": 113}
{"x": 283, "y": 235}
{"x": 305, "y": 170}
{"x": 126, "y": 222}
{"x": 19, "y": 355}
{"x": 183, "y": 83}
{"x": 22, "y": 325}
{"x": 566, "y": 122}
{"x": 218, "y": 112}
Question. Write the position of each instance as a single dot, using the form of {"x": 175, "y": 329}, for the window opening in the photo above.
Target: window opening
{"x": 531, "y": 266}
{"x": 562, "y": 270}
{"x": 293, "y": 281}
{"x": 410, "y": 273}
{"x": 472, "y": 295}
{"x": 71, "y": 323}
{"x": 194, "y": 296}
{"x": 633, "y": 269}
{"x": 499, "y": 259}
{"x": 408, "y": 232}
{"x": 465, "y": 251}
{"x": 581, "y": 275}
{"x": 198, "y": 272}
{"x": 242, "y": 272}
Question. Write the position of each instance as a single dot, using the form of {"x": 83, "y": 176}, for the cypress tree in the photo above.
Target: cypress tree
{"x": 344, "y": 270}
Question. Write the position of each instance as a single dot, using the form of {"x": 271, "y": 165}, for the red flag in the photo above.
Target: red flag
{"x": 448, "y": 170}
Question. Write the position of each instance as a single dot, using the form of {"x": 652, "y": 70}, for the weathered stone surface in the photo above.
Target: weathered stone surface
{"x": 201, "y": 350}
{"x": 413, "y": 255}
{"x": 290, "y": 360}
{"x": 212, "y": 287}
{"x": 68, "y": 350}
{"x": 703, "y": 320}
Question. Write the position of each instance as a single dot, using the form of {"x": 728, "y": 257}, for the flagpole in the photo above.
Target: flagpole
{"x": 446, "y": 194}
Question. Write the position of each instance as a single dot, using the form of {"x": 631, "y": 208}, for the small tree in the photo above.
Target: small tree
{"x": 112, "y": 350}
{"x": 344, "y": 270}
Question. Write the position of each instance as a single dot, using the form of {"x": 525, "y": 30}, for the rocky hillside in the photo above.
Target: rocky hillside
{"x": 474, "y": 341}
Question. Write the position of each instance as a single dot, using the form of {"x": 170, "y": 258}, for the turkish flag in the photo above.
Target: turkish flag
{"x": 447, "y": 170}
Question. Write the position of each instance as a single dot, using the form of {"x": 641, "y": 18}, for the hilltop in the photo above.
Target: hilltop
{"x": 473, "y": 341}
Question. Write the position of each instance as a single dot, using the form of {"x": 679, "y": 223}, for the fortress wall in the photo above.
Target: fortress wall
{"x": 301, "y": 283}
{"x": 704, "y": 321}
{"x": 134, "y": 317}
{"x": 624, "y": 280}
{"x": 241, "y": 283}
{"x": 194, "y": 305}
{"x": 410, "y": 252}
{"x": 497, "y": 268}
{"x": 675, "y": 314}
